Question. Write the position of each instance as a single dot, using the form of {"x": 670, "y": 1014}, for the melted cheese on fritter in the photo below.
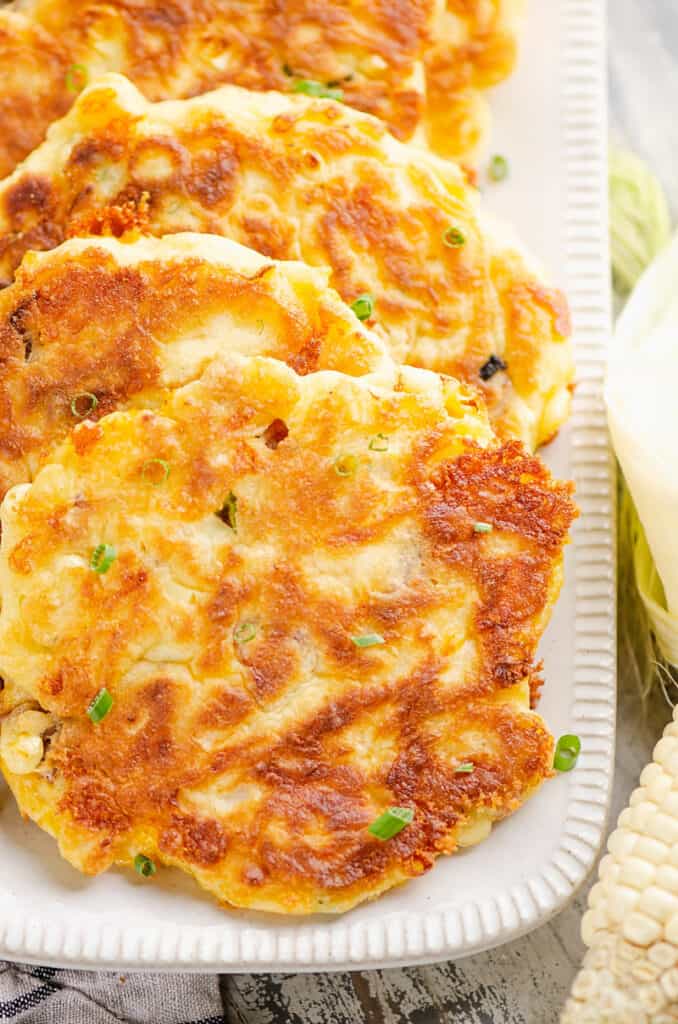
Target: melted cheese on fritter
{"x": 32, "y": 71}
{"x": 371, "y": 51}
{"x": 296, "y": 178}
{"x": 474, "y": 48}
{"x": 106, "y": 324}
{"x": 422, "y": 68}
{"x": 251, "y": 740}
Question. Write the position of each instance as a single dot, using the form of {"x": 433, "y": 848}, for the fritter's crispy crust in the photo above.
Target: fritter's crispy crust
{"x": 475, "y": 47}
{"x": 251, "y": 742}
{"x": 295, "y": 178}
{"x": 32, "y": 72}
{"x": 125, "y": 323}
{"x": 370, "y": 50}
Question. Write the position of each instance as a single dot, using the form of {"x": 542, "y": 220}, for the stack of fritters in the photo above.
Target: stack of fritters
{"x": 300, "y": 624}
{"x": 267, "y": 572}
{"x": 297, "y": 178}
{"x": 420, "y": 65}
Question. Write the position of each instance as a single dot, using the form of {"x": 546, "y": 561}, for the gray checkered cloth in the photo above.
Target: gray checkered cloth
{"x": 43, "y": 995}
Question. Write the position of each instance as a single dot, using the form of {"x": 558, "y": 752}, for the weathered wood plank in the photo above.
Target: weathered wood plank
{"x": 294, "y": 999}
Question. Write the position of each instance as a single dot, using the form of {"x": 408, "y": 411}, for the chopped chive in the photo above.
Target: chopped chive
{"x": 144, "y": 866}
{"x": 363, "y": 307}
{"x": 391, "y": 822}
{"x": 567, "y": 753}
{"x": 379, "y": 443}
{"x": 76, "y": 77}
{"x": 155, "y": 471}
{"x": 499, "y": 168}
{"x": 83, "y": 405}
{"x": 482, "y": 527}
{"x": 100, "y": 706}
{"x": 465, "y": 768}
{"x": 228, "y": 513}
{"x": 453, "y": 238}
{"x": 368, "y": 640}
{"x": 493, "y": 365}
{"x": 346, "y": 465}
{"x": 245, "y": 632}
{"x": 317, "y": 89}
{"x": 102, "y": 558}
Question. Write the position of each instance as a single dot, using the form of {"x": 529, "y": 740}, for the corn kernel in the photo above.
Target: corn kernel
{"x": 637, "y": 873}
{"x": 652, "y": 998}
{"x": 658, "y": 903}
{"x": 640, "y": 929}
{"x": 664, "y": 955}
{"x": 669, "y": 983}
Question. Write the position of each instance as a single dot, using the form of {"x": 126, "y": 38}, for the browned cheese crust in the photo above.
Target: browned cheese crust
{"x": 256, "y": 760}
{"x": 371, "y": 51}
{"x": 32, "y": 71}
{"x": 297, "y": 178}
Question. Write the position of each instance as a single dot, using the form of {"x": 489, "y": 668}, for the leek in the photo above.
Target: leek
{"x": 639, "y": 230}
{"x": 639, "y": 219}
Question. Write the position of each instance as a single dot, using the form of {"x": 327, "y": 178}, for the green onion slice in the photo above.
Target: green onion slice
{"x": 499, "y": 168}
{"x": 363, "y": 307}
{"x": 76, "y": 77}
{"x": 482, "y": 527}
{"x": 368, "y": 640}
{"x": 317, "y": 89}
{"x": 465, "y": 768}
{"x": 102, "y": 558}
{"x": 391, "y": 822}
{"x": 100, "y": 706}
{"x": 453, "y": 238}
{"x": 379, "y": 443}
{"x": 567, "y": 753}
{"x": 346, "y": 465}
{"x": 245, "y": 632}
{"x": 228, "y": 513}
{"x": 84, "y": 405}
{"x": 155, "y": 471}
{"x": 176, "y": 206}
{"x": 144, "y": 866}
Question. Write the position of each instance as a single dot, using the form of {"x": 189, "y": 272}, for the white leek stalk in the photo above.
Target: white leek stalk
{"x": 642, "y": 400}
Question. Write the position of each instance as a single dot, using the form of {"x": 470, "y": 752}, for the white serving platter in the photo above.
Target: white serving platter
{"x": 550, "y": 121}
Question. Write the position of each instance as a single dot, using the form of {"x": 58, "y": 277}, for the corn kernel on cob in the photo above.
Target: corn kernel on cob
{"x": 630, "y": 973}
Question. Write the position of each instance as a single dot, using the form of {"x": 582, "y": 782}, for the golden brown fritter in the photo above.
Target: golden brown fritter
{"x": 308, "y": 179}
{"x": 298, "y": 622}
{"x": 474, "y": 47}
{"x": 97, "y": 325}
{"x": 369, "y": 51}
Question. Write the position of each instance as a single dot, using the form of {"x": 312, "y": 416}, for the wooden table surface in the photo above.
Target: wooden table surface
{"x": 527, "y": 981}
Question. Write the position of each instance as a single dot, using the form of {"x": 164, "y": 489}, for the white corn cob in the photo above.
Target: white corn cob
{"x": 630, "y": 973}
